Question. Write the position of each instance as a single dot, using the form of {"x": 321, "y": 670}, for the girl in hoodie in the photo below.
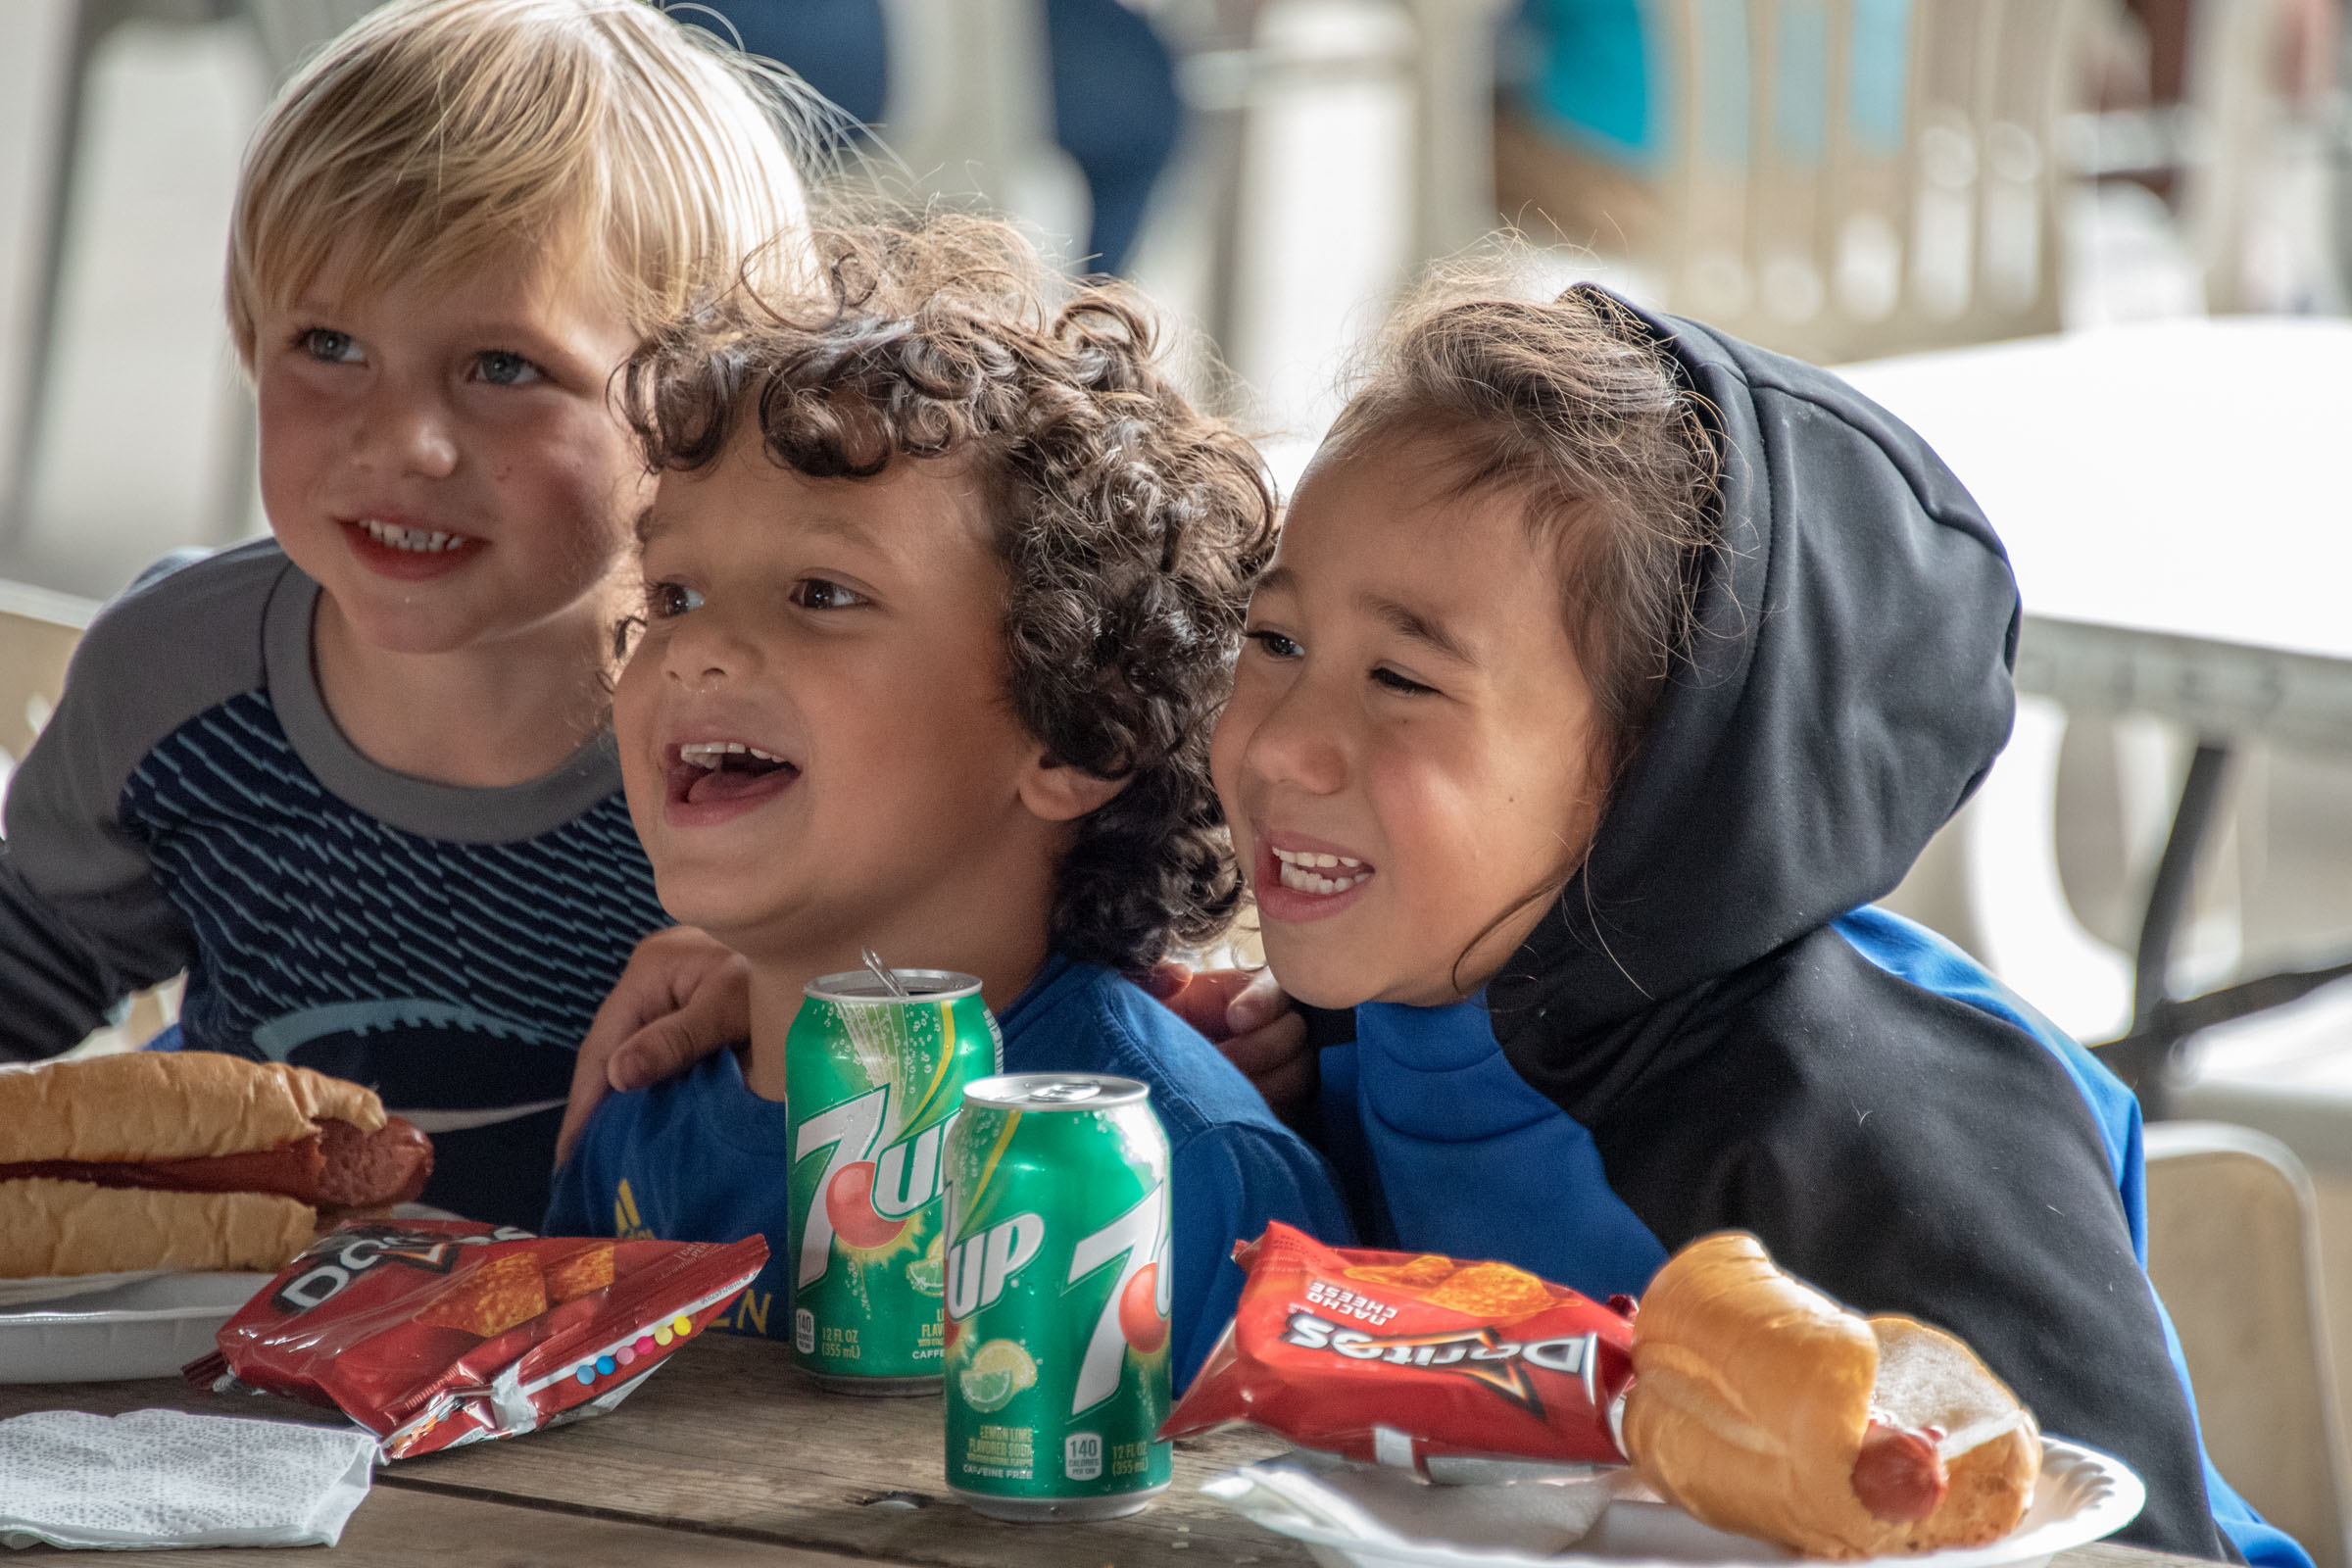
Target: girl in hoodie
{"x": 1608, "y": 669}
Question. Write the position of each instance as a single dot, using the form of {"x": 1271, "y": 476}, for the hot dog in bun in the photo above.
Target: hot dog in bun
{"x": 1762, "y": 1406}
{"x": 188, "y": 1160}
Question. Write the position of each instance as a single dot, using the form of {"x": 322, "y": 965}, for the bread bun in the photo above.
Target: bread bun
{"x": 168, "y": 1105}
{"x": 187, "y": 1159}
{"x": 51, "y": 1227}
{"x": 1753, "y": 1393}
{"x": 1992, "y": 1445}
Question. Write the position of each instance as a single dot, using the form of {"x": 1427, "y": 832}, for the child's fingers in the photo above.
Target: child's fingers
{"x": 1167, "y": 979}
{"x": 588, "y": 1091}
{"x": 1209, "y": 1000}
{"x": 712, "y": 1011}
{"x": 1278, "y": 1062}
{"x": 1269, "y": 1048}
{"x": 686, "y": 990}
{"x": 1259, "y": 1003}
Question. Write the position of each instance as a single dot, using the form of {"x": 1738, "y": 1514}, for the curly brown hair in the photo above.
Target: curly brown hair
{"x": 1130, "y": 525}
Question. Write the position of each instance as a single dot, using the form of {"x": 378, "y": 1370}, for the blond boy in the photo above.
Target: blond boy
{"x": 357, "y": 779}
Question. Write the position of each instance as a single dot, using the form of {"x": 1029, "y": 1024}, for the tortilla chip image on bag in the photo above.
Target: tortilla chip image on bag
{"x": 436, "y": 1333}
{"x": 1401, "y": 1358}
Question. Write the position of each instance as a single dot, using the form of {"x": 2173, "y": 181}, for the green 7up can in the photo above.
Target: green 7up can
{"x": 875, "y": 1085}
{"x": 1057, "y": 1298}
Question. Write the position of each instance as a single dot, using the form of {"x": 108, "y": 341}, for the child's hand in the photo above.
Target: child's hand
{"x": 1249, "y": 1018}
{"x": 684, "y": 995}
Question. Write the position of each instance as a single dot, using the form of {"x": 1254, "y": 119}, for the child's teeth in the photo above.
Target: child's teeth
{"x": 421, "y": 540}
{"x": 1295, "y": 875}
{"x": 712, "y": 754}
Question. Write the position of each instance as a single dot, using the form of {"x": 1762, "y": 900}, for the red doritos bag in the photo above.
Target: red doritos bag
{"x": 1399, "y": 1359}
{"x": 434, "y": 1333}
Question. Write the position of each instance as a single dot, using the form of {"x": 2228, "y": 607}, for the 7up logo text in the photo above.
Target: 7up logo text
{"x": 866, "y": 1201}
{"x": 1138, "y": 1303}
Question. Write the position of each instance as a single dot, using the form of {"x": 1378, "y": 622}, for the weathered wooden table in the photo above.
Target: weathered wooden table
{"x": 729, "y": 1456}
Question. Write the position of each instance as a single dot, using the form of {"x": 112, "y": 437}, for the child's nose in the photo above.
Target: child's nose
{"x": 1297, "y": 742}
{"x": 408, "y": 430}
{"x": 705, "y": 652}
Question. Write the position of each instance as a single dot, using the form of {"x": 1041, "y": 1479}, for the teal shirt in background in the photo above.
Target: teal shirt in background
{"x": 1590, "y": 73}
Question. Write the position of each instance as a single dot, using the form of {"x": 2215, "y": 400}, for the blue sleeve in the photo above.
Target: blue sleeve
{"x": 1229, "y": 1181}
{"x": 579, "y": 1203}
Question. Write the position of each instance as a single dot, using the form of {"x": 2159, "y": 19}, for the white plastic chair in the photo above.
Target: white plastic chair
{"x": 38, "y": 629}
{"x": 2233, "y": 1249}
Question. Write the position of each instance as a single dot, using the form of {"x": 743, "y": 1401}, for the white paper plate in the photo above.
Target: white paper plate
{"x": 2082, "y": 1496}
{"x": 56, "y": 1286}
{"x": 148, "y": 1328}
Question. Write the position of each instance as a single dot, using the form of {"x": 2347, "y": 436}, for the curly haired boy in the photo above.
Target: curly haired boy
{"x": 943, "y": 590}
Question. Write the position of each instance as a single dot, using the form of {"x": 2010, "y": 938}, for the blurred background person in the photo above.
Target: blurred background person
{"x": 1112, "y": 77}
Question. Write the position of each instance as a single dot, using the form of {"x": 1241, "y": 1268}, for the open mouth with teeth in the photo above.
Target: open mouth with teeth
{"x": 424, "y": 541}
{"x": 1312, "y": 871}
{"x": 400, "y": 551}
{"x": 725, "y": 772}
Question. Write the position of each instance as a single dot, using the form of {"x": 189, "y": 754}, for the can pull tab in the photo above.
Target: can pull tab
{"x": 1066, "y": 1093}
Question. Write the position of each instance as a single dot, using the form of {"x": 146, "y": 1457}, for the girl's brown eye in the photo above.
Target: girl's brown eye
{"x": 1274, "y": 645}
{"x": 1394, "y": 682}
{"x": 823, "y": 593}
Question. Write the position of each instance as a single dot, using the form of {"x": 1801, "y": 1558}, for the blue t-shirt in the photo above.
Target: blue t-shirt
{"x": 702, "y": 1159}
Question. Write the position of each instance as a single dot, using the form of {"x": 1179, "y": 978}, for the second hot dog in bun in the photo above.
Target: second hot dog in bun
{"x": 1762, "y": 1406}
{"x": 187, "y": 1159}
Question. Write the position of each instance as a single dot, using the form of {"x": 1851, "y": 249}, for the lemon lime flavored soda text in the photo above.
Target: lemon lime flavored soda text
{"x": 874, "y": 1083}
{"x": 1057, "y": 1298}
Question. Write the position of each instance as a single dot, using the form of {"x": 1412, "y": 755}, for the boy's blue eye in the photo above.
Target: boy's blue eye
{"x": 502, "y": 368}
{"x": 1274, "y": 645}
{"x": 663, "y": 600}
{"x": 325, "y": 344}
{"x": 823, "y": 593}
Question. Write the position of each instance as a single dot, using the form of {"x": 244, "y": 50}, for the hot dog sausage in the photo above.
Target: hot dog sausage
{"x": 1898, "y": 1475}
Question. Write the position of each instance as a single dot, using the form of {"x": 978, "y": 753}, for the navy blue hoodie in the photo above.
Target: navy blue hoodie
{"x": 1711, "y": 1029}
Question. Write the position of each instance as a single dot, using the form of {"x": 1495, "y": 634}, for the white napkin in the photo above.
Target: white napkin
{"x": 164, "y": 1478}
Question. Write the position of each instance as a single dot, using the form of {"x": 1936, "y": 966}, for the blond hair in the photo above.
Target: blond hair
{"x": 436, "y": 137}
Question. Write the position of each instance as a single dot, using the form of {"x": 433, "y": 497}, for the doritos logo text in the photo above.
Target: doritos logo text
{"x": 1329, "y": 1344}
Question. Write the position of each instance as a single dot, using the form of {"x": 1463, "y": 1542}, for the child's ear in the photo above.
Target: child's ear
{"x": 1059, "y": 793}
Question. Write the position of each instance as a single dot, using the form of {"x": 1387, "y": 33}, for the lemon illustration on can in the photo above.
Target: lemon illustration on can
{"x": 928, "y": 1273}
{"x": 1000, "y": 1369}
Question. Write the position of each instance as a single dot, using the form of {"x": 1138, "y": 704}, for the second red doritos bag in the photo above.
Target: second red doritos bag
{"x": 435, "y": 1332}
{"x": 1403, "y": 1358}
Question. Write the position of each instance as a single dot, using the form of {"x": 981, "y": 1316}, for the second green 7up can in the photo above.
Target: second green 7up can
{"x": 874, "y": 1082}
{"x": 1057, "y": 1298}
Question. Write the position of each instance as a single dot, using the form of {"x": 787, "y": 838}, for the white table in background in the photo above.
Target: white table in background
{"x": 2176, "y": 503}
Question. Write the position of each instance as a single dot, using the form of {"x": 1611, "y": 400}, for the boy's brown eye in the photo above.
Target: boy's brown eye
{"x": 663, "y": 599}
{"x": 823, "y": 593}
{"x": 1274, "y": 645}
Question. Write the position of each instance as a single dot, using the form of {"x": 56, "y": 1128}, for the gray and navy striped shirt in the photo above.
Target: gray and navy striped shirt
{"x": 193, "y": 805}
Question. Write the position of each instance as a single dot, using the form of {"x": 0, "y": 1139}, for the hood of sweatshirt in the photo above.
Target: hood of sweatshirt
{"x": 1846, "y": 685}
